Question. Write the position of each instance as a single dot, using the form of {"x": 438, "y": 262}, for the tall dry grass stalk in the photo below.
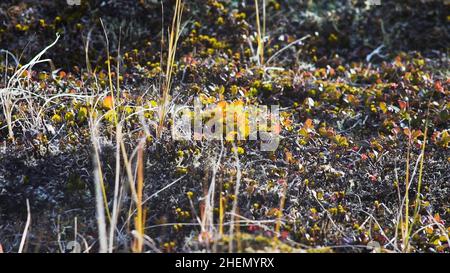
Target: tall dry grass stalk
{"x": 234, "y": 208}
{"x": 27, "y": 226}
{"x": 100, "y": 208}
{"x": 208, "y": 229}
{"x": 139, "y": 220}
{"x": 417, "y": 201}
{"x": 405, "y": 227}
{"x": 108, "y": 62}
{"x": 116, "y": 199}
{"x": 222, "y": 204}
{"x": 280, "y": 211}
{"x": 405, "y": 220}
{"x": 166, "y": 85}
{"x": 261, "y": 30}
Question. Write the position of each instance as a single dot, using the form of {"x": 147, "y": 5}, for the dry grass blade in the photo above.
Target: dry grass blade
{"x": 108, "y": 62}
{"x": 13, "y": 91}
{"x": 139, "y": 220}
{"x": 280, "y": 210}
{"x": 116, "y": 202}
{"x": 172, "y": 47}
{"x": 405, "y": 227}
{"x": 261, "y": 31}
{"x": 235, "y": 201}
{"x": 419, "y": 184}
{"x": 27, "y": 226}
{"x": 101, "y": 221}
{"x": 405, "y": 222}
{"x": 100, "y": 192}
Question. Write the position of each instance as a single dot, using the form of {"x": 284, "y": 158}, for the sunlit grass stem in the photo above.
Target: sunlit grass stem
{"x": 172, "y": 48}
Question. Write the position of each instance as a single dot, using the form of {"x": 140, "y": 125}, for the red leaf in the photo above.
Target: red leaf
{"x": 253, "y": 228}
{"x": 282, "y": 182}
{"x": 284, "y": 235}
{"x": 438, "y": 87}
{"x": 373, "y": 178}
{"x": 402, "y": 104}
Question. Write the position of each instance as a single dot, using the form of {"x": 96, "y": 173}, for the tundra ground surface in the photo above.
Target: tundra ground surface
{"x": 364, "y": 126}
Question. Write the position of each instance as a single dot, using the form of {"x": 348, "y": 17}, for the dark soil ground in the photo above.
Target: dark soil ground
{"x": 351, "y": 120}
